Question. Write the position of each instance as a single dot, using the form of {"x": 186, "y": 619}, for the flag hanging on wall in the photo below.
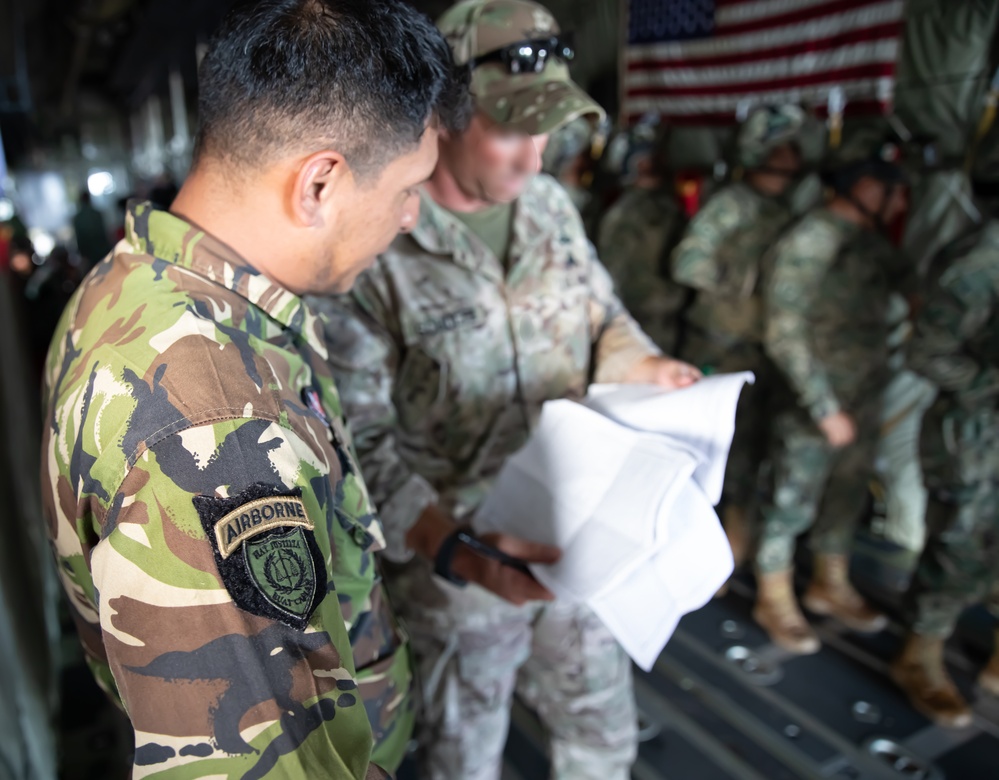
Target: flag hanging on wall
{"x": 702, "y": 61}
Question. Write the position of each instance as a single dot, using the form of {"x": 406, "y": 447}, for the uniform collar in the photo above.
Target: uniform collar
{"x": 170, "y": 239}
{"x": 440, "y": 232}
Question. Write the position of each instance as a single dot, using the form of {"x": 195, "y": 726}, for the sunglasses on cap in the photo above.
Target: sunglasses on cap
{"x": 529, "y": 56}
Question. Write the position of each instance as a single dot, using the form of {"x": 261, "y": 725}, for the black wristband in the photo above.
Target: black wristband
{"x": 445, "y": 557}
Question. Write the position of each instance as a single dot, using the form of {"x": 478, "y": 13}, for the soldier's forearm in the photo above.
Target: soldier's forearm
{"x": 432, "y": 527}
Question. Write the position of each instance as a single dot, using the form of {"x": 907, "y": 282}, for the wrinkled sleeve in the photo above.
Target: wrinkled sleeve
{"x": 800, "y": 264}
{"x": 618, "y": 341}
{"x": 958, "y": 308}
{"x": 214, "y": 688}
{"x": 700, "y": 259}
{"x": 364, "y": 341}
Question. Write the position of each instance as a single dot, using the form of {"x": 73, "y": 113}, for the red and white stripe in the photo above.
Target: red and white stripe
{"x": 766, "y": 52}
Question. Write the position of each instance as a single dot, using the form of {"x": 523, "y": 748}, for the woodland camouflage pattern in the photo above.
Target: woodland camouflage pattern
{"x": 827, "y": 297}
{"x": 721, "y": 258}
{"x": 189, "y": 394}
{"x": 635, "y": 239}
{"x": 827, "y": 311}
{"x": 956, "y": 346}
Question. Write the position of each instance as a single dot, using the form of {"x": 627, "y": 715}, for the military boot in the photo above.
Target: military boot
{"x": 831, "y": 593}
{"x": 920, "y": 672}
{"x": 777, "y": 612}
{"x": 989, "y": 678}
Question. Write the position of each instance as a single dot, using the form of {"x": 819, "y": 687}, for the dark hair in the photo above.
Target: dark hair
{"x": 359, "y": 76}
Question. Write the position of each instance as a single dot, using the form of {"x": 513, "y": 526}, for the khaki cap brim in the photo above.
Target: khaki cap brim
{"x": 540, "y": 108}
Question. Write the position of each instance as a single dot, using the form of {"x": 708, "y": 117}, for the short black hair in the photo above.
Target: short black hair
{"x": 360, "y": 76}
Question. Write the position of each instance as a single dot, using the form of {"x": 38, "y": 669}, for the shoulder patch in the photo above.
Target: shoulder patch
{"x": 266, "y": 552}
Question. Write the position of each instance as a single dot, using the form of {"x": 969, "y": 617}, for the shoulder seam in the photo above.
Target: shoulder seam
{"x": 165, "y": 433}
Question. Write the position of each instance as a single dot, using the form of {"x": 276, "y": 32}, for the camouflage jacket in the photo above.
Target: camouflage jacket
{"x": 827, "y": 299}
{"x": 720, "y": 257}
{"x": 634, "y": 241}
{"x": 444, "y": 358}
{"x": 956, "y": 339}
{"x": 211, "y": 526}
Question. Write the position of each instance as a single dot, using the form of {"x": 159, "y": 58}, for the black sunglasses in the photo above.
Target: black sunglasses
{"x": 529, "y": 56}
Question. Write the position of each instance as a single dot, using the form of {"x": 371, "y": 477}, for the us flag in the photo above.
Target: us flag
{"x": 705, "y": 60}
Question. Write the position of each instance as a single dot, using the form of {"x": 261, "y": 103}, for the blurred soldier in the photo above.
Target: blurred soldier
{"x": 827, "y": 331}
{"x": 445, "y": 353}
{"x": 213, "y": 531}
{"x": 956, "y": 345}
{"x": 636, "y": 237}
{"x": 91, "y": 232}
{"x": 567, "y": 158}
{"x": 720, "y": 258}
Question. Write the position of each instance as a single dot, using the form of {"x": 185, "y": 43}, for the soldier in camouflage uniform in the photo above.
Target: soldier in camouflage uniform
{"x": 445, "y": 353}
{"x": 720, "y": 259}
{"x": 827, "y": 297}
{"x": 956, "y": 346}
{"x": 636, "y": 237}
{"x": 212, "y": 528}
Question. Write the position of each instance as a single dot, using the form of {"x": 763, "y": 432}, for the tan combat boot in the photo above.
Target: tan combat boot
{"x": 777, "y": 612}
{"x": 920, "y": 672}
{"x": 831, "y": 593}
{"x": 989, "y": 678}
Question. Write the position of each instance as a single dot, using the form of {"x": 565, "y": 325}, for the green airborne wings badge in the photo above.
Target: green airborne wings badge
{"x": 281, "y": 567}
{"x": 265, "y": 548}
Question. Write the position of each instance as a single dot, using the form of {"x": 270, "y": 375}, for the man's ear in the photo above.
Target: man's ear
{"x": 318, "y": 179}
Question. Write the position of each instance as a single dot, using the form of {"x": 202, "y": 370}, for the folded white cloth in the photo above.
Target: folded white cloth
{"x": 625, "y": 485}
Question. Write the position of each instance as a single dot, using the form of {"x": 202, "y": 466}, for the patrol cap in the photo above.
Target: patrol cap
{"x": 766, "y": 129}
{"x": 516, "y": 50}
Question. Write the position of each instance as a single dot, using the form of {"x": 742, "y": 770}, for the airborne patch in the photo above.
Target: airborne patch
{"x": 266, "y": 552}
{"x": 258, "y": 517}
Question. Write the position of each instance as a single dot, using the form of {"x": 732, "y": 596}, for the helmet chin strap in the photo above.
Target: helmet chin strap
{"x": 879, "y": 217}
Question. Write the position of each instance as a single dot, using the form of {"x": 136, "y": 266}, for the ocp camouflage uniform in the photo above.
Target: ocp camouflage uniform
{"x": 827, "y": 332}
{"x": 635, "y": 239}
{"x": 444, "y": 359}
{"x": 212, "y": 530}
{"x": 956, "y": 346}
{"x": 720, "y": 257}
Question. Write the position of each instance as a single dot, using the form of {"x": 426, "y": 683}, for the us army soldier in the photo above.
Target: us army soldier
{"x": 212, "y": 527}
{"x": 720, "y": 258}
{"x": 956, "y": 346}
{"x": 492, "y": 305}
{"x": 636, "y": 237}
{"x": 827, "y": 331}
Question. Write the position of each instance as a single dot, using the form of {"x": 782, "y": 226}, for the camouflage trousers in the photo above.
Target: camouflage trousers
{"x": 474, "y": 651}
{"x": 907, "y": 398}
{"x": 750, "y": 444}
{"x": 816, "y": 487}
{"x": 960, "y": 563}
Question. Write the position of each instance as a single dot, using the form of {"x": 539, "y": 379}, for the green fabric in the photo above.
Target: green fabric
{"x": 493, "y": 226}
{"x": 944, "y": 68}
